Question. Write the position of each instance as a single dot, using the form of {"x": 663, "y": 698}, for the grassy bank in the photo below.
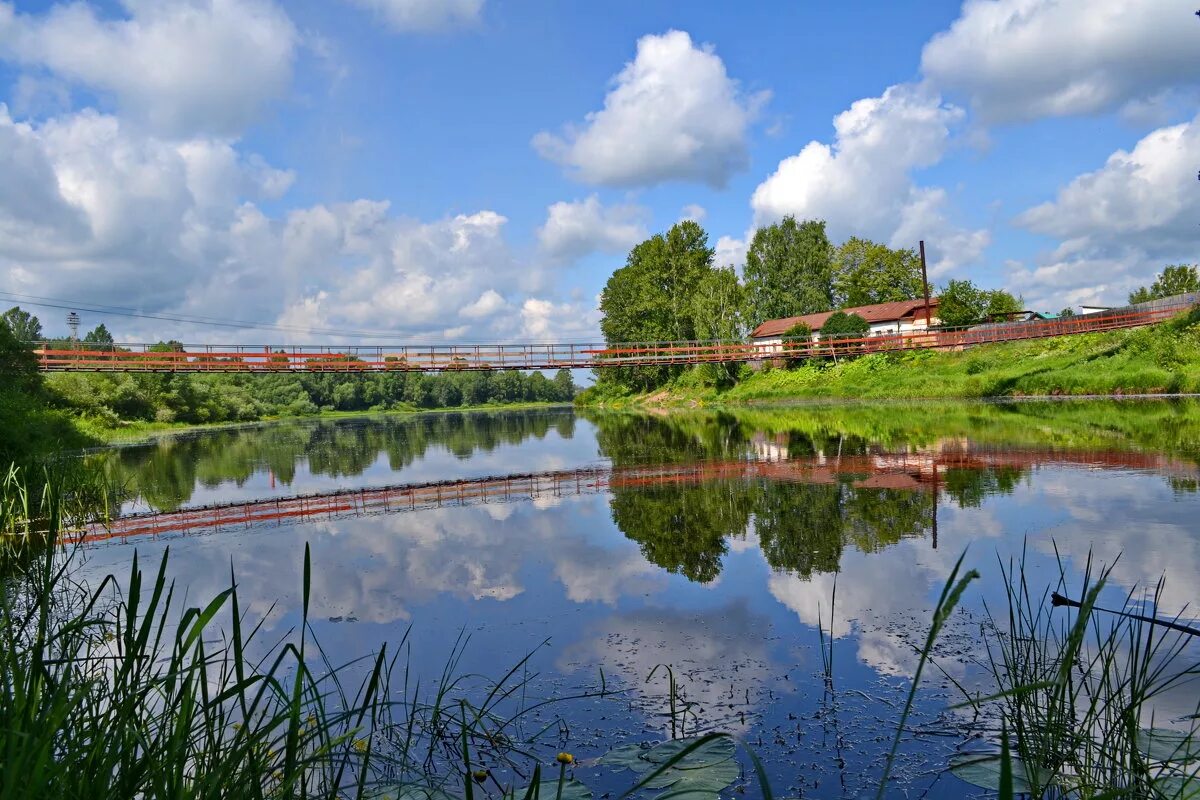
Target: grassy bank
{"x": 1164, "y": 359}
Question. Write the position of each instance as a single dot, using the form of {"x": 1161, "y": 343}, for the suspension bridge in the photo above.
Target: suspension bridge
{"x": 902, "y": 470}
{"x": 80, "y": 357}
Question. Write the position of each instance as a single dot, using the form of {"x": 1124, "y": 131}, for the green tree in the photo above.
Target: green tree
{"x": 799, "y": 334}
{"x": 719, "y": 312}
{"x": 1000, "y": 305}
{"x": 960, "y": 303}
{"x": 843, "y": 326}
{"x": 25, "y": 327}
{"x": 1175, "y": 279}
{"x": 964, "y": 303}
{"x": 18, "y": 366}
{"x": 650, "y": 298}
{"x": 1067, "y": 312}
{"x": 867, "y": 272}
{"x": 98, "y": 335}
{"x": 789, "y": 270}
{"x": 564, "y": 385}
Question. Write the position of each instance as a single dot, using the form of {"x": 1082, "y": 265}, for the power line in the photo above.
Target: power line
{"x": 123, "y": 311}
{"x": 98, "y": 308}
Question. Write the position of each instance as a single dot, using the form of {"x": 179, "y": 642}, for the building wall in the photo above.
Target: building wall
{"x": 774, "y": 344}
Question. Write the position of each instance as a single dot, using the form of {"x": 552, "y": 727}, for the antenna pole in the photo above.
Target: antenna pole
{"x": 925, "y": 281}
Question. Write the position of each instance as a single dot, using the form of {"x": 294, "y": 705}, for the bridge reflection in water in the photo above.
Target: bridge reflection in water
{"x": 912, "y": 470}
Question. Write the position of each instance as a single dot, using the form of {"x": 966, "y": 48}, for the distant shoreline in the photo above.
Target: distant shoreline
{"x": 138, "y": 433}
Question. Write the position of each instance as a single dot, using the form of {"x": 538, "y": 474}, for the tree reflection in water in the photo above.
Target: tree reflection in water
{"x": 165, "y": 473}
{"x": 802, "y": 527}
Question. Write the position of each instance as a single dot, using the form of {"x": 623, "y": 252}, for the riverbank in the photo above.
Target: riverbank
{"x": 1161, "y": 360}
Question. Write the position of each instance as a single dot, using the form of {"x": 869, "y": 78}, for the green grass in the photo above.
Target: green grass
{"x": 1164, "y": 359}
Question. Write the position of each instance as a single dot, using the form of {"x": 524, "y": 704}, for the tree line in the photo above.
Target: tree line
{"x": 1173, "y": 280}
{"x": 672, "y": 289}
{"x": 114, "y": 398}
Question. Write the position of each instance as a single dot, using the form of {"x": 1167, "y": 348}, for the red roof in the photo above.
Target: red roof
{"x": 880, "y": 312}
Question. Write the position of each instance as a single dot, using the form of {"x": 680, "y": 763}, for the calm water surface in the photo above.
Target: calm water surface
{"x": 710, "y": 542}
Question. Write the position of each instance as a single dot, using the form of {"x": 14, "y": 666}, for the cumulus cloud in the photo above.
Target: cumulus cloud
{"x": 1024, "y": 59}
{"x": 423, "y": 15}
{"x": 694, "y": 212}
{"x": 673, "y": 114}
{"x": 89, "y": 204}
{"x": 1120, "y": 224}
{"x": 180, "y": 66}
{"x": 574, "y": 229}
{"x": 730, "y": 252}
{"x": 862, "y": 184}
{"x": 543, "y": 320}
{"x": 93, "y": 204}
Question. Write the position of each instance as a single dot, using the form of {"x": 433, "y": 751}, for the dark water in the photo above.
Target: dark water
{"x": 709, "y": 542}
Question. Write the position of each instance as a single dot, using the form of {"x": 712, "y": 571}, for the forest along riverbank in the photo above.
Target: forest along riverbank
{"x": 1164, "y": 359}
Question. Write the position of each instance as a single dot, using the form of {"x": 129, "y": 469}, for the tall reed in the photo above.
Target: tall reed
{"x": 1080, "y": 690}
{"x": 122, "y": 690}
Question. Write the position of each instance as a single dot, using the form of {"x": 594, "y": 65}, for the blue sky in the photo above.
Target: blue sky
{"x": 473, "y": 170}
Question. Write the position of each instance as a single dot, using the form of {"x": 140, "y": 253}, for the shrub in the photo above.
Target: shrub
{"x": 843, "y": 325}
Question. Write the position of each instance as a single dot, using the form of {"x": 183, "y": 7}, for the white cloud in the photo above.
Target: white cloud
{"x": 543, "y": 320}
{"x": 123, "y": 218}
{"x": 694, "y": 212}
{"x": 181, "y": 66}
{"x": 577, "y": 228}
{"x": 488, "y": 303}
{"x": 862, "y": 185}
{"x": 730, "y": 252}
{"x": 1120, "y": 224}
{"x": 424, "y": 15}
{"x": 673, "y": 114}
{"x": 1023, "y": 59}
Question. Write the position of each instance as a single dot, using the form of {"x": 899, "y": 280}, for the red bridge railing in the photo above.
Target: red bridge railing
{"x": 449, "y": 358}
{"x": 903, "y": 470}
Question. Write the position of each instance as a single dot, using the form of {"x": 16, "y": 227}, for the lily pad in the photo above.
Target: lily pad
{"x": 419, "y": 791}
{"x": 1178, "y": 787}
{"x": 711, "y": 752}
{"x": 687, "y": 794}
{"x": 628, "y": 756}
{"x": 571, "y": 790}
{"x": 699, "y": 775}
{"x": 983, "y": 770}
{"x": 1161, "y": 744}
{"x": 710, "y": 778}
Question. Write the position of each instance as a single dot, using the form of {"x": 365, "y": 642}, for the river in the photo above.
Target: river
{"x": 744, "y": 549}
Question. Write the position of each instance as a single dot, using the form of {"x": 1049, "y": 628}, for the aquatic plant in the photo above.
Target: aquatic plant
{"x": 1078, "y": 692}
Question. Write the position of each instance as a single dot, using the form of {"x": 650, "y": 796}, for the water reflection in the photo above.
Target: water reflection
{"x": 169, "y": 473}
{"x": 712, "y": 542}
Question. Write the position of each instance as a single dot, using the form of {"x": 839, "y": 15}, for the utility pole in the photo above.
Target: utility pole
{"x": 925, "y": 281}
{"x": 73, "y": 324}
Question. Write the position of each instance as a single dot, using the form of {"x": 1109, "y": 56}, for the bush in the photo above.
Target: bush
{"x": 843, "y": 325}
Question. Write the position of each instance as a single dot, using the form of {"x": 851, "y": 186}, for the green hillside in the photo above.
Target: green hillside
{"x": 1164, "y": 359}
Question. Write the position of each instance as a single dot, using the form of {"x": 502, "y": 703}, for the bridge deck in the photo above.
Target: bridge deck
{"x": 451, "y": 358}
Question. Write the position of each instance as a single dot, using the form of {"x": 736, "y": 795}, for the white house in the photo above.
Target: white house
{"x": 900, "y": 316}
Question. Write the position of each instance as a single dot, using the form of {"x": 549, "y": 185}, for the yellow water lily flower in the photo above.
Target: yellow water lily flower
{"x": 565, "y": 758}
